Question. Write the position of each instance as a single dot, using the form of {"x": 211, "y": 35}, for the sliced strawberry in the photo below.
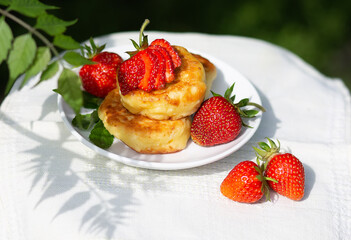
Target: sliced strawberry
{"x": 130, "y": 74}
{"x": 174, "y": 55}
{"x": 147, "y": 83}
{"x": 168, "y": 62}
{"x": 160, "y": 80}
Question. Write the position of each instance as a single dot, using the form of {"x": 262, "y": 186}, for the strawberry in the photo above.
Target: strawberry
{"x": 108, "y": 58}
{"x": 245, "y": 183}
{"x": 149, "y": 67}
{"x": 169, "y": 70}
{"x": 100, "y": 78}
{"x": 147, "y": 83}
{"x": 174, "y": 55}
{"x": 219, "y": 120}
{"x": 285, "y": 168}
{"x": 160, "y": 79}
{"x": 130, "y": 74}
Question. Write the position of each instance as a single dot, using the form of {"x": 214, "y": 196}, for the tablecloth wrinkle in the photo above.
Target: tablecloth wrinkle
{"x": 54, "y": 187}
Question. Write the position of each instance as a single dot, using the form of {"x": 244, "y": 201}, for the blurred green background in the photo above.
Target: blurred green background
{"x": 319, "y": 31}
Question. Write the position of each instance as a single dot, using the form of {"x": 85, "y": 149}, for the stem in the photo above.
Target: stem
{"x": 146, "y": 22}
{"x": 257, "y": 105}
{"x": 31, "y": 30}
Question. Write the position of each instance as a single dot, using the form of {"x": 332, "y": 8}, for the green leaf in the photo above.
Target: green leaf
{"x": 49, "y": 72}
{"x": 100, "y": 136}
{"x": 52, "y": 25}
{"x": 66, "y": 42}
{"x": 41, "y": 60}
{"x": 242, "y": 102}
{"x": 135, "y": 44}
{"x": 5, "y": 39}
{"x": 20, "y": 58}
{"x": 250, "y": 113}
{"x": 5, "y": 2}
{"x": 69, "y": 88}
{"x": 75, "y": 59}
{"x": 84, "y": 122}
{"x": 229, "y": 91}
{"x": 90, "y": 101}
{"x": 264, "y": 146}
{"x": 30, "y": 8}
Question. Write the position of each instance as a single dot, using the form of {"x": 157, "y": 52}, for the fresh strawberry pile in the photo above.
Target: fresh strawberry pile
{"x": 150, "y": 67}
{"x": 247, "y": 182}
{"x": 100, "y": 78}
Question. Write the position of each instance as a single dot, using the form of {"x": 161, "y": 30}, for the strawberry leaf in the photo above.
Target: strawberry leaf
{"x": 5, "y": 39}
{"x": 41, "y": 60}
{"x": 250, "y": 113}
{"x": 20, "y": 57}
{"x": 243, "y": 102}
{"x": 75, "y": 59}
{"x": 229, "y": 92}
{"x": 264, "y": 146}
{"x": 69, "y": 88}
{"x": 100, "y": 136}
{"x": 29, "y": 8}
{"x": 52, "y": 25}
{"x": 66, "y": 42}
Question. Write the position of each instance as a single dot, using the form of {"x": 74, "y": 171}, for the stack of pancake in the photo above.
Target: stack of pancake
{"x": 159, "y": 121}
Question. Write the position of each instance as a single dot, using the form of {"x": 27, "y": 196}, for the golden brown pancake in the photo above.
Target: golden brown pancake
{"x": 178, "y": 99}
{"x": 143, "y": 134}
{"x": 210, "y": 72}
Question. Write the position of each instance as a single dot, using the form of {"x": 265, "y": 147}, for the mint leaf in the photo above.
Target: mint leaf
{"x": 49, "y": 72}
{"x": 41, "y": 60}
{"x": 5, "y": 2}
{"x": 90, "y": 101}
{"x": 69, "y": 88}
{"x": 5, "y": 39}
{"x": 30, "y": 8}
{"x": 84, "y": 122}
{"x": 52, "y": 25}
{"x": 75, "y": 59}
{"x": 100, "y": 136}
{"x": 20, "y": 57}
{"x": 66, "y": 42}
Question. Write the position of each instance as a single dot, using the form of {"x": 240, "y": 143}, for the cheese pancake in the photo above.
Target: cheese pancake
{"x": 140, "y": 133}
{"x": 178, "y": 99}
{"x": 210, "y": 72}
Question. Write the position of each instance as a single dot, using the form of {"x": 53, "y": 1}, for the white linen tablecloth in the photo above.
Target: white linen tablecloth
{"x": 54, "y": 187}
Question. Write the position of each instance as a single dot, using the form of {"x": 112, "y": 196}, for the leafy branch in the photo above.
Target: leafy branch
{"x": 24, "y": 57}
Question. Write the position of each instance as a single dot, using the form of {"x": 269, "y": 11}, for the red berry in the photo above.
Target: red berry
{"x": 287, "y": 171}
{"x": 219, "y": 120}
{"x": 147, "y": 83}
{"x": 290, "y": 174}
{"x": 216, "y": 122}
{"x": 160, "y": 79}
{"x": 174, "y": 55}
{"x": 130, "y": 74}
{"x": 242, "y": 184}
{"x": 108, "y": 58}
{"x": 98, "y": 79}
{"x": 168, "y": 61}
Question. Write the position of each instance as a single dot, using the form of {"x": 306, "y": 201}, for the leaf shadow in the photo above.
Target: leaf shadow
{"x": 105, "y": 189}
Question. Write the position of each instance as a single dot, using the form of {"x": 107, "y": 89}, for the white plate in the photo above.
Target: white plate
{"x": 193, "y": 155}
